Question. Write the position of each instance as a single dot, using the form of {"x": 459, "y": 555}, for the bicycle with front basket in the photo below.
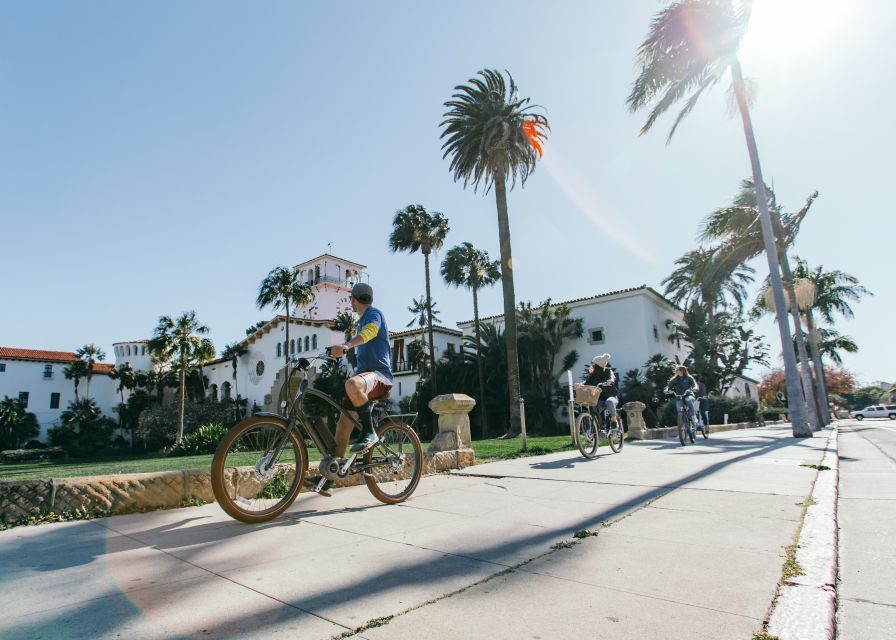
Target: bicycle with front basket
{"x": 261, "y": 463}
{"x": 589, "y": 428}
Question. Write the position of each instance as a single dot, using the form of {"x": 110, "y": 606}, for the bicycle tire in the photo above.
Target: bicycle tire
{"x": 587, "y": 437}
{"x": 390, "y": 452}
{"x": 706, "y": 432}
{"x": 692, "y": 430}
{"x": 681, "y": 437}
{"x": 239, "y": 488}
{"x": 615, "y": 436}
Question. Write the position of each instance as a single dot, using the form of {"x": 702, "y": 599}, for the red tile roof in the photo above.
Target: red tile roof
{"x": 42, "y": 355}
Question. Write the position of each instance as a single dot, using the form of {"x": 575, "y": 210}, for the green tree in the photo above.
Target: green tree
{"x": 708, "y": 278}
{"x": 179, "y": 341}
{"x": 234, "y": 352}
{"x": 690, "y": 46}
{"x": 422, "y": 312}
{"x": 466, "y": 266}
{"x": 416, "y": 229}
{"x": 347, "y": 323}
{"x": 90, "y": 354}
{"x": 16, "y": 425}
{"x": 74, "y": 372}
{"x": 278, "y": 290}
{"x": 255, "y": 327}
{"x": 492, "y": 136}
{"x": 126, "y": 377}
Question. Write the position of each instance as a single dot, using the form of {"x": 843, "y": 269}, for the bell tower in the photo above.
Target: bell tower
{"x": 331, "y": 280}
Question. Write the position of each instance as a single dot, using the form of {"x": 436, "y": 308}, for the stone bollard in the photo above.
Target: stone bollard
{"x": 634, "y": 411}
{"x": 453, "y": 410}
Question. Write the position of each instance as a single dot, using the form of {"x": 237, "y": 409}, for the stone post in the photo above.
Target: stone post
{"x": 453, "y": 410}
{"x": 634, "y": 411}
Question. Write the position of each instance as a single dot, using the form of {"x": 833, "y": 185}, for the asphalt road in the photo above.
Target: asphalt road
{"x": 867, "y": 518}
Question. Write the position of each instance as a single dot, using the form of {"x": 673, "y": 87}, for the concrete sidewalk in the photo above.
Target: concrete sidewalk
{"x": 690, "y": 545}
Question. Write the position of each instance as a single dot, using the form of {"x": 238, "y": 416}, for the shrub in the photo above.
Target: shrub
{"x": 774, "y": 413}
{"x": 204, "y": 440}
{"x": 738, "y": 410}
{"x": 157, "y": 426}
{"x": 24, "y": 455}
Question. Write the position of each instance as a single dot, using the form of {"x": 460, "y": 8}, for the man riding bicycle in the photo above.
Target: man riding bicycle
{"x": 682, "y": 383}
{"x": 600, "y": 374}
{"x": 372, "y": 378}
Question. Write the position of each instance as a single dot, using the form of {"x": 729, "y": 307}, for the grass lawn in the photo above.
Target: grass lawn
{"x": 486, "y": 450}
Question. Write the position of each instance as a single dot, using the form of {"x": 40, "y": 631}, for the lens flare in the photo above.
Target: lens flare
{"x": 535, "y": 133}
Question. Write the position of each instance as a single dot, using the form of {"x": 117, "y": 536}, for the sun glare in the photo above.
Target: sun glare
{"x": 790, "y": 28}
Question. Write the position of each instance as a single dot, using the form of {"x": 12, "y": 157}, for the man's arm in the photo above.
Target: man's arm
{"x": 367, "y": 333}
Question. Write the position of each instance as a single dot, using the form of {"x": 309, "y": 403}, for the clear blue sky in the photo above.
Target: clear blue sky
{"x": 164, "y": 156}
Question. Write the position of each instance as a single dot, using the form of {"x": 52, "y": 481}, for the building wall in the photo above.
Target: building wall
{"x": 28, "y": 376}
{"x": 405, "y": 379}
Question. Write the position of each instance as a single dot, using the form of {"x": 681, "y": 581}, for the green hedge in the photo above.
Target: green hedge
{"x": 204, "y": 440}
{"x": 24, "y": 455}
{"x": 738, "y": 410}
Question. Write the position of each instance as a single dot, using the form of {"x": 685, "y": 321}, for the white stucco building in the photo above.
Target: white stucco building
{"x": 630, "y": 324}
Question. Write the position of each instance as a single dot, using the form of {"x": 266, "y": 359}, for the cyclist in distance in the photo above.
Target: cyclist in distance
{"x": 373, "y": 375}
{"x": 681, "y": 383}
{"x": 703, "y": 400}
{"x": 600, "y": 374}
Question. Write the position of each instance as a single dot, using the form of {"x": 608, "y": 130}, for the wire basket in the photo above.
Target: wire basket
{"x": 586, "y": 394}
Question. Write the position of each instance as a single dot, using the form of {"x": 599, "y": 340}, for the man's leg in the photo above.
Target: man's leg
{"x": 356, "y": 392}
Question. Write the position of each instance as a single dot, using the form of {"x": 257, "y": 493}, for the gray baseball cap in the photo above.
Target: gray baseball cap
{"x": 363, "y": 293}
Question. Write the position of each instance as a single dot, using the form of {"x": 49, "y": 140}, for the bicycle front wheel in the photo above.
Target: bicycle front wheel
{"x": 586, "y": 435}
{"x": 681, "y": 428}
{"x": 392, "y": 468}
{"x": 252, "y": 480}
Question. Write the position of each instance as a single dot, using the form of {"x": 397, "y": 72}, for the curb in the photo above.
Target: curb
{"x": 806, "y": 605}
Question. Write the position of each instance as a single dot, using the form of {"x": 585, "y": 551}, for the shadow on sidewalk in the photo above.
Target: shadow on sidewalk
{"x": 317, "y": 600}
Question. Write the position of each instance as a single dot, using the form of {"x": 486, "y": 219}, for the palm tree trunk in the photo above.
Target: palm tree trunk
{"x": 286, "y": 361}
{"x": 821, "y": 385}
{"x": 432, "y": 350}
{"x": 815, "y": 420}
{"x": 180, "y": 411}
{"x": 484, "y": 431}
{"x": 796, "y": 401}
{"x": 513, "y": 365}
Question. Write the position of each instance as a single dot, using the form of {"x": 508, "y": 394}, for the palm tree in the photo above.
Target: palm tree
{"x": 179, "y": 340}
{"x": 347, "y": 323}
{"x": 493, "y": 136}
{"x": 90, "y": 354}
{"x": 467, "y": 266}
{"x": 422, "y": 312}
{"x": 127, "y": 379}
{"x": 235, "y": 351}
{"x": 834, "y": 290}
{"x": 706, "y": 277}
{"x": 415, "y": 229}
{"x": 741, "y": 239}
{"x": 279, "y": 289}
{"x": 75, "y": 371}
{"x": 831, "y": 343}
{"x": 690, "y": 46}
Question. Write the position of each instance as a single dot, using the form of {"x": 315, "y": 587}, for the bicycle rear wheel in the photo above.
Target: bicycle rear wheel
{"x": 393, "y": 467}
{"x": 586, "y": 435}
{"x": 615, "y": 435}
{"x": 248, "y": 483}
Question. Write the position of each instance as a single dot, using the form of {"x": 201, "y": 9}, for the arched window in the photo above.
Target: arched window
{"x": 129, "y": 350}
{"x": 314, "y": 341}
{"x": 214, "y": 392}
{"x": 316, "y": 272}
{"x": 279, "y": 349}
{"x": 299, "y": 344}
{"x": 143, "y": 350}
{"x": 225, "y": 389}
{"x": 306, "y": 344}
{"x": 292, "y": 346}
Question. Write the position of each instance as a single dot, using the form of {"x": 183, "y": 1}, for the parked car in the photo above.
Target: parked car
{"x": 876, "y": 411}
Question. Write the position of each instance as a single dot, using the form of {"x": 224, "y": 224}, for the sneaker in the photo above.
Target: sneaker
{"x": 366, "y": 440}
{"x": 311, "y": 484}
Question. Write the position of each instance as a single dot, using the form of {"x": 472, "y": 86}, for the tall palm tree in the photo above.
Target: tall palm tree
{"x": 706, "y": 277}
{"x": 741, "y": 239}
{"x": 278, "y": 290}
{"x": 492, "y": 136}
{"x": 74, "y": 372}
{"x": 235, "y": 351}
{"x": 690, "y": 46}
{"x": 90, "y": 354}
{"x": 179, "y": 340}
{"x": 422, "y": 312}
{"x": 416, "y": 229}
{"x": 834, "y": 290}
{"x": 126, "y": 377}
{"x": 831, "y": 343}
{"x": 466, "y": 266}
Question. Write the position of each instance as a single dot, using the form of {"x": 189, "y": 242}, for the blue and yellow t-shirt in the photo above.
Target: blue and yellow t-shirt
{"x": 375, "y": 354}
